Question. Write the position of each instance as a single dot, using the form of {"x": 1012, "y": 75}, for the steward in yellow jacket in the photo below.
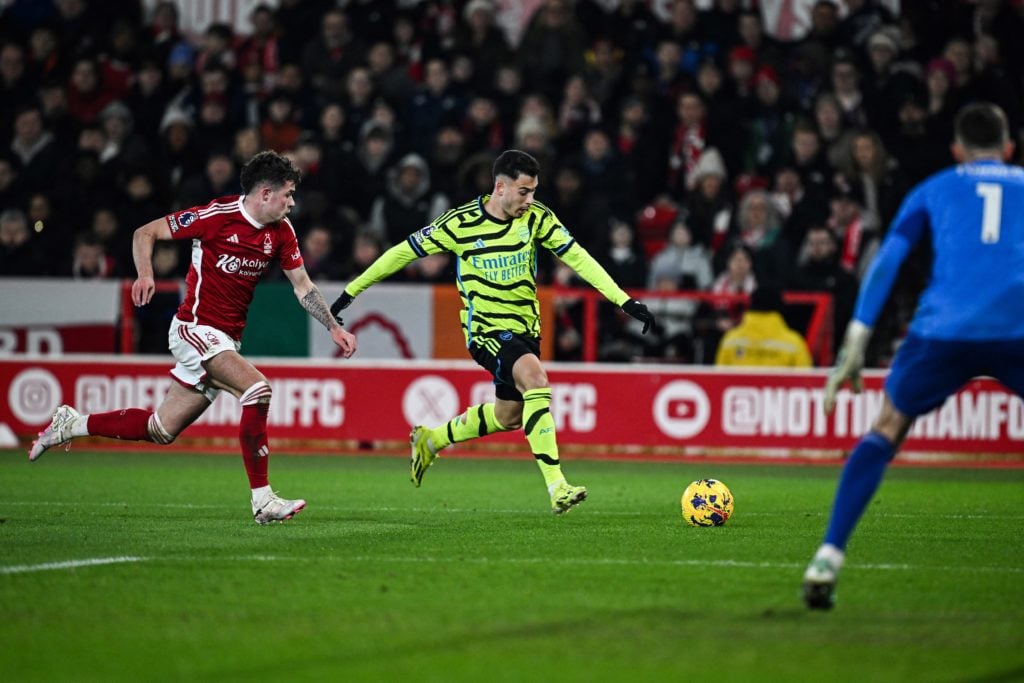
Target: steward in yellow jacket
{"x": 762, "y": 338}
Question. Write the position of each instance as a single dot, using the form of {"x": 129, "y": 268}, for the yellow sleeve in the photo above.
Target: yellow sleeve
{"x": 580, "y": 260}
{"x": 389, "y": 263}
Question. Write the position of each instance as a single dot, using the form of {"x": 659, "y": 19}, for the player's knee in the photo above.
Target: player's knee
{"x": 259, "y": 392}
{"x": 158, "y": 433}
{"x": 509, "y": 420}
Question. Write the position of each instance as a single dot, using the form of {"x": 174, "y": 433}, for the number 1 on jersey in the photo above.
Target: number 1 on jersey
{"x": 992, "y": 211}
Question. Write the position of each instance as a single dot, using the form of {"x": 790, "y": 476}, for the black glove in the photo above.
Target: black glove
{"x": 342, "y": 302}
{"x": 637, "y": 310}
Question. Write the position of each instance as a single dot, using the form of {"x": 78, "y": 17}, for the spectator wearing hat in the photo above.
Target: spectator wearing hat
{"x": 911, "y": 144}
{"x": 124, "y": 147}
{"x": 708, "y": 203}
{"x": 943, "y": 101}
{"x": 408, "y": 201}
{"x": 179, "y": 157}
{"x": 480, "y": 38}
{"x": 770, "y": 128}
{"x": 763, "y": 339}
{"x": 740, "y": 69}
{"x": 862, "y": 20}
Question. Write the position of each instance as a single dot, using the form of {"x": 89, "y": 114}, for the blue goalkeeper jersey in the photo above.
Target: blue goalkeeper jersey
{"x": 974, "y": 215}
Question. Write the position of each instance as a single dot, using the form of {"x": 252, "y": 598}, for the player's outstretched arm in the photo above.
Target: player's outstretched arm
{"x": 386, "y": 265}
{"x": 142, "y": 253}
{"x": 580, "y": 260}
{"x": 313, "y": 301}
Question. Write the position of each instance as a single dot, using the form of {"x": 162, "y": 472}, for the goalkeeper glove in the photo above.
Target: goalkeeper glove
{"x": 637, "y": 310}
{"x": 848, "y": 363}
{"x": 342, "y": 302}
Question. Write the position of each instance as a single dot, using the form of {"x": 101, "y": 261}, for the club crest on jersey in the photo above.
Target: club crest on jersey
{"x": 524, "y": 234}
{"x": 268, "y": 245}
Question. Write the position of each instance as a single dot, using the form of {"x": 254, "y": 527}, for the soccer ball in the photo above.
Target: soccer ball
{"x": 707, "y": 502}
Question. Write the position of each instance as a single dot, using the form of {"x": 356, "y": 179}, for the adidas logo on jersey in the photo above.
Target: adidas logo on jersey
{"x": 233, "y": 238}
{"x": 479, "y": 244}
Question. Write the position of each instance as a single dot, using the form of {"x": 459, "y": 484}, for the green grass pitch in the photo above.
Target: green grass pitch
{"x": 470, "y": 578}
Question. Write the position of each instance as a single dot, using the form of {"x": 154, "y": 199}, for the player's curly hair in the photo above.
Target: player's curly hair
{"x": 268, "y": 168}
{"x": 514, "y": 163}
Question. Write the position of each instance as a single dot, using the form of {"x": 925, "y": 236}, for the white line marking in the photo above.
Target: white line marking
{"x": 68, "y": 564}
{"x": 607, "y": 561}
{"x": 503, "y": 511}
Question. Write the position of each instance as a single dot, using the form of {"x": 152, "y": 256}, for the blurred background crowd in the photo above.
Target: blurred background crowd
{"x": 685, "y": 148}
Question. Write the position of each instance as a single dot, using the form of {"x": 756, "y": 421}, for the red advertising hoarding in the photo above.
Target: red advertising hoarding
{"x": 668, "y": 409}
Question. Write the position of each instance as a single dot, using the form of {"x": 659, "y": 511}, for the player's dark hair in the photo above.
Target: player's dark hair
{"x": 981, "y": 125}
{"x": 514, "y": 163}
{"x": 269, "y": 168}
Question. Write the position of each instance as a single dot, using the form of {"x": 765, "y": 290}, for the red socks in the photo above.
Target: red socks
{"x": 129, "y": 424}
{"x": 253, "y": 436}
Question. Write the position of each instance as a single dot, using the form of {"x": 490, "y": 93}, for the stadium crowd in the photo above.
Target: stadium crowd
{"x": 685, "y": 151}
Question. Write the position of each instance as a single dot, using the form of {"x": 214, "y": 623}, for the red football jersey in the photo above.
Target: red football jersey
{"x": 230, "y": 253}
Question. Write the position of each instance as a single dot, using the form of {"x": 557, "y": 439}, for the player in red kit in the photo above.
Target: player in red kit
{"x": 235, "y": 240}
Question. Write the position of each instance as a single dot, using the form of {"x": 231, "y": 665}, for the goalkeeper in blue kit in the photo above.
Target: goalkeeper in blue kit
{"x": 969, "y": 320}
{"x": 495, "y": 240}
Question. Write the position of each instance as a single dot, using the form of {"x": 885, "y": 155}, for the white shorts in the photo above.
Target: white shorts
{"x": 192, "y": 344}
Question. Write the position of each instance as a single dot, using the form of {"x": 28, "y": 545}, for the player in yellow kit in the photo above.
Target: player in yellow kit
{"x": 495, "y": 239}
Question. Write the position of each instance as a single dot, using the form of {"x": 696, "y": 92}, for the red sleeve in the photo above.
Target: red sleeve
{"x": 186, "y": 224}
{"x": 289, "y": 255}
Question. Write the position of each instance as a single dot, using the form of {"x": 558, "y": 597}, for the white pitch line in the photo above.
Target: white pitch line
{"x": 607, "y": 561}
{"x": 497, "y": 511}
{"x": 69, "y": 564}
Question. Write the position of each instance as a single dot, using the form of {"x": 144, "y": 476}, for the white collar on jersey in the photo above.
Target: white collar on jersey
{"x": 241, "y": 207}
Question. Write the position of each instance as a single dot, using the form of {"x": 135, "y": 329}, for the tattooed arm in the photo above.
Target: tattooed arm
{"x": 313, "y": 301}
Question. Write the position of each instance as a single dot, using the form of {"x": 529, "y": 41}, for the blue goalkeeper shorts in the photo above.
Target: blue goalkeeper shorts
{"x": 926, "y": 372}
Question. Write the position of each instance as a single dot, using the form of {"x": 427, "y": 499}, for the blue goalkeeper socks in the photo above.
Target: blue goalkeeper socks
{"x": 858, "y": 483}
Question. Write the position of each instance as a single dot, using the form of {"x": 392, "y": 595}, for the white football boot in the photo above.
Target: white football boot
{"x": 273, "y": 508}
{"x": 57, "y": 433}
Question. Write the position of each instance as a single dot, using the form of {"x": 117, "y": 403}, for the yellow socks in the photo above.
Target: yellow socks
{"x": 540, "y": 433}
